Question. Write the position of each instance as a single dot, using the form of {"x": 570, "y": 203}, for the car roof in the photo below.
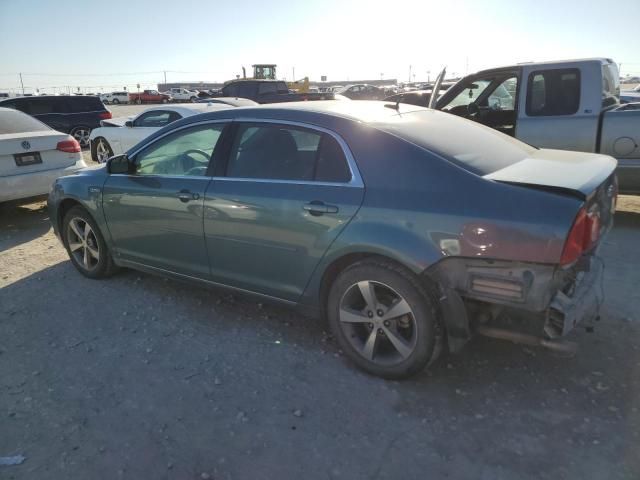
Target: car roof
{"x": 363, "y": 111}
{"x": 600, "y": 60}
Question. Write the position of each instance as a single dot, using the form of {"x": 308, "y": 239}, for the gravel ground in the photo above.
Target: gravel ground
{"x": 138, "y": 377}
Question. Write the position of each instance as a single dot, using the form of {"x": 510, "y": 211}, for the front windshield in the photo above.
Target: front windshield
{"x": 470, "y": 94}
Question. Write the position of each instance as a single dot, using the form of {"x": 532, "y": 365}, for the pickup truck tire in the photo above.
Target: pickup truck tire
{"x": 362, "y": 305}
{"x": 164, "y": 100}
{"x": 115, "y": 101}
{"x": 138, "y": 101}
{"x": 193, "y": 99}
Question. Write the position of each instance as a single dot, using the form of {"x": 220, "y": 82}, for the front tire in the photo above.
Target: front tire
{"x": 193, "y": 99}
{"x": 115, "y": 101}
{"x": 383, "y": 318}
{"x": 100, "y": 150}
{"x": 85, "y": 244}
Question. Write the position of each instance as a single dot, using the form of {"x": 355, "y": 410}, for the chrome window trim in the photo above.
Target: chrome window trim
{"x": 356, "y": 179}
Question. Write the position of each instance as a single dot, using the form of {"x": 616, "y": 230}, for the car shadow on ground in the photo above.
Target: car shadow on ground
{"x": 22, "y": 223}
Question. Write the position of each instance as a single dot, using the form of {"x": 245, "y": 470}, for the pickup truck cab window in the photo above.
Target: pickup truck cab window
{"x": 553, "y": 92}
{"x": 184, "y": 153}
{"x": 283, "y": 152}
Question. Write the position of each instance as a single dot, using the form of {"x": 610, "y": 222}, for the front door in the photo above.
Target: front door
{"x": 287, "y": 194}
{"x": 154, "y": 214}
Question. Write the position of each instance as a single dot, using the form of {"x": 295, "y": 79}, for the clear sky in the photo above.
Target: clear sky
{"x": 114, "y": 43}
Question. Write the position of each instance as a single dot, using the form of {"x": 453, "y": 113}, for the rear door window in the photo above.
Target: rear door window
{"x": 279, "y": 152}
{"x": 85, "y": 104}
{"x": 553, "y": 92}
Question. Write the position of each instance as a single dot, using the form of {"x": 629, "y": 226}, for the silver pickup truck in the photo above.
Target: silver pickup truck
{"x": 567, "y": 105}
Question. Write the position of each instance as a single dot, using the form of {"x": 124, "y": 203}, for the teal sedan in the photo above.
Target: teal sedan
{"x": 406, "y": 228}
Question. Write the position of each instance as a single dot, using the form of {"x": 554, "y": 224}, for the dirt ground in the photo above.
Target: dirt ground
{"x": 138, "y": 377}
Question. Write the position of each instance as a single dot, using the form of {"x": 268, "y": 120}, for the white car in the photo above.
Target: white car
{"x": 182, "y": 95}
{"x": 33, "y": 155}
{"x": 118, "y": 135}
{"x": 114, "y": 98}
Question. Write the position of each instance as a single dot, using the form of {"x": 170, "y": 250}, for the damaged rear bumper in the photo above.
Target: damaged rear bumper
{"x": 581, "y": 304}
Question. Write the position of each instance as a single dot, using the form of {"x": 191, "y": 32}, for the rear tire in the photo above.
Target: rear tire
{"x": 81, "y": 134}
{"x": 138, "y": 101}
{"x": 85, "y": 244}
{"x": 193, "y": 99}
{"x": 115, "y": 101}
{"x": 383, "y": 318}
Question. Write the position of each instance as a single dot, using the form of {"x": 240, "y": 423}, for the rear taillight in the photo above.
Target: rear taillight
{"x": 584, "y": 234}
{"x": 70, "y": 145}
{"x": 105, "y": 115}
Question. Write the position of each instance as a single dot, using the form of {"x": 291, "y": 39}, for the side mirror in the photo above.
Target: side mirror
{"x": 128, "y": 123}
{"x": 119, "y": 164}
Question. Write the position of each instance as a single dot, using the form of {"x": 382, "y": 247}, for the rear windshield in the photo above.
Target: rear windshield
{"x": 476, "y": 148}
{"x": 12, "y": 121}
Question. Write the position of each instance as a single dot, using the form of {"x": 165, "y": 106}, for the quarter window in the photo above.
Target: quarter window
{"x": 553, "y": 92}
{"x": 186, "y": 152}
{"x": 287, "y": 153}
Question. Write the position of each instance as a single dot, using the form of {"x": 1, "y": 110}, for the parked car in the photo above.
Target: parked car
{"x": 362, "y": 92}
{"x": 75, "y": 115}
{"x": 32, "y": 156}
{"x": 233, "y": 101}
{"x": 114, "y": 98}
{"x": 379, "y": 218}
{"x": 570, "y": 105}
{"x": 149, "y": 96}
{"x": 416, "y": 97}
{"x": 118, "y": 135}
{"x": 182, "y": 95}
{"x": 268, "y": 91}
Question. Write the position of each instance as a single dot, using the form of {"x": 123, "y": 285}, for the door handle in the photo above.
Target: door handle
{"x": 186, "y": 195}
{"x": 319, "y": 208}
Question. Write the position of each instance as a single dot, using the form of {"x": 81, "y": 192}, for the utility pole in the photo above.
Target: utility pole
{"x": 409, "y": 73}
{"x": 165, "y": 79}
{"x": 294, "y": 74}
{"x": 22, "y": 84}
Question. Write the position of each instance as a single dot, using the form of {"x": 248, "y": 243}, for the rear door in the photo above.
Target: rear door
{"x": 286, "y": 194}
{"x": 154, "y": 214}
{"x": 555, "y": 112}
{"x": 54, "y": 111}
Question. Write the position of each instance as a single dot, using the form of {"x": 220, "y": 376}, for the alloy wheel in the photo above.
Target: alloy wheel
{"x": 83, "y": 243}
{"x": 103, "y": 152}
{"x": 82, "y": 136}
{"x": 378, "y": 323}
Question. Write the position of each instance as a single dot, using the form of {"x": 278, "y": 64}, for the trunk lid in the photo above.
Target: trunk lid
{"x": 44, "y": 142}
{"x": 589, "y": 177}
{"x": 577, "y": 173}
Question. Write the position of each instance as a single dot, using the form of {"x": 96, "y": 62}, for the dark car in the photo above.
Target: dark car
{"x": 362, "y": 92}
{"x": 379, "y": 219}
{"x": 73, "y": 114}
{"x": 268, "y": 91}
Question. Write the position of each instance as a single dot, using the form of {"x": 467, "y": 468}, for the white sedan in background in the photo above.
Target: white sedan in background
{"x": 118, "y": 135}
{"x": 33, "y": 155}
